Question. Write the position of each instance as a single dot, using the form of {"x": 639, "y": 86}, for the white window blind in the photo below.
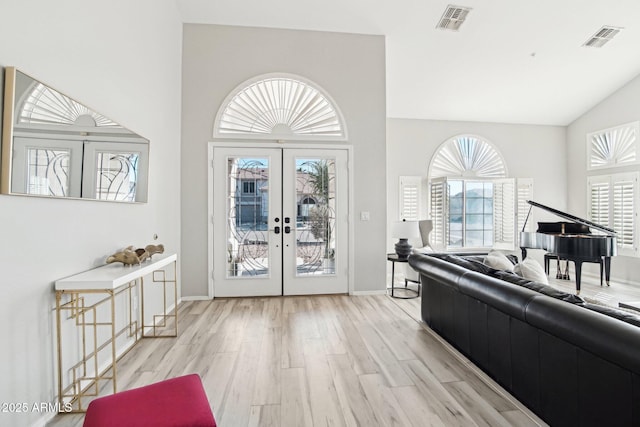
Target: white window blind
{"x": 504, "y": 213}
{"x": 410, "y": 198}
{"x": 524, "y": 192}
{"x": 613, "y": 201}
{"x": 599, "y": 206}
{"x": 438, "y": 209}
{"x": 624, "y": 213}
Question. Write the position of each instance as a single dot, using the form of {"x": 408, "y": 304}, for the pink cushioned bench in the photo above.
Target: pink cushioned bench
{"x": 177, "y": 402}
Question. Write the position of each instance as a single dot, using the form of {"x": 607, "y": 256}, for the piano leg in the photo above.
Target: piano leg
{"x": 578, "y": 275}
{"x": 607, "y": 268}
{"x": 601, "y": 271}
{"x": 560, "y": 274}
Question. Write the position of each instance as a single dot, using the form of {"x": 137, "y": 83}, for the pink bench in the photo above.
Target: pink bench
{"x": 177, "y": 402}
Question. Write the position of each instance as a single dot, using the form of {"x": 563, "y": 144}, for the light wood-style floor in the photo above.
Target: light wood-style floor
{"x": 320, "y": 361}
{"x": 590, "y": 288}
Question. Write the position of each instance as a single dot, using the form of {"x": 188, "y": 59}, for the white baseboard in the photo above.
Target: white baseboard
{"x": 196, "y": 298}
{"x": 363, "y": 293}
{"x": 354, "y": 293}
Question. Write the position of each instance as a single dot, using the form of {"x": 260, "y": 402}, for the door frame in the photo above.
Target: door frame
{"x": 280, "y": 145}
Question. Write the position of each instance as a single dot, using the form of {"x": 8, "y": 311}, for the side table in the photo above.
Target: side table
{"x": 394, "y": 258}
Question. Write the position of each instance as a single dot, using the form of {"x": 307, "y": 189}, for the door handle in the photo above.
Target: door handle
{"x": 276, "y": 230}
{"x": 287, "y": 229}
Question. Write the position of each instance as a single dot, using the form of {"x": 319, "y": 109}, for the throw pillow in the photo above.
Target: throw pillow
{"x": 498, "y": 260}
{"x": 531, "y": 269}
{"x": 423, "y": 250}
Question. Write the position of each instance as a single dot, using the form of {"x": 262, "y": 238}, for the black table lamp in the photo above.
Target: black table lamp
{"x": 404, "y": 230}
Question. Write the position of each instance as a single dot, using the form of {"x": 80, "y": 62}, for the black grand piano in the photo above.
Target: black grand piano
{"x": 571, "y": 241}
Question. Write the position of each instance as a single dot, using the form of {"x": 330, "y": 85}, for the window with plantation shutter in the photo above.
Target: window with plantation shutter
{"x": 473, "y": 204}
{"x": 613, "y": 203}
{"x": 279, "y": 106}
{"x": 613, "y": 147}
{"x": 410, "y": 198}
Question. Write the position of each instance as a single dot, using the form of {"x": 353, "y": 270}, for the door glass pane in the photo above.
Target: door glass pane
{"x": 248, "y": 212}
{"x": 315, "y": 220}
{"x": 48, "y": 172}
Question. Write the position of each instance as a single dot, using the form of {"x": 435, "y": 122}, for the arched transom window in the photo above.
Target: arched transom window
{"x": 280, "y": 107}
{"x": 467, "y": 156}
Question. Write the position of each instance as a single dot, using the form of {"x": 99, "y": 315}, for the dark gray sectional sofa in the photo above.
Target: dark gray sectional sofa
{"x": 570, "y": 362}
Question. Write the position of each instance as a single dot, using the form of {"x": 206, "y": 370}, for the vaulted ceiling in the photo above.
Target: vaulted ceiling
{"x": 512, "y": 61}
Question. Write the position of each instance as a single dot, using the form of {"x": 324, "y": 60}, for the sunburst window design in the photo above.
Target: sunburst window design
{"x": 279, "y": 108}
{"x": 612, "y": 147}
{"x": 467, "y": 156}
{"x": 44, "y": 106}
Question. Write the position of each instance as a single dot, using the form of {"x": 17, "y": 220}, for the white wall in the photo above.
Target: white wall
{"x": 351, "y": 68}
{"x": 619, "y": 108}
{"x": 121, "y": 58}
{"x": 537, "y": 152}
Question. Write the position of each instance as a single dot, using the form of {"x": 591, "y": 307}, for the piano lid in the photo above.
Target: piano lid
{"x": 570, "y": 217}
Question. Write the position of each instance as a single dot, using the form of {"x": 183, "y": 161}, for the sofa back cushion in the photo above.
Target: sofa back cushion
{"x": 471, "y": 263}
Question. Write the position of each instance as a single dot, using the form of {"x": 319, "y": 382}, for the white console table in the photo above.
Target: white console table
{"x": 88, "y": 301}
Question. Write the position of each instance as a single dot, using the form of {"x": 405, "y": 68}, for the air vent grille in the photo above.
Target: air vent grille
{"x": 453, "y": 17}
{"x": 602, "y": 36}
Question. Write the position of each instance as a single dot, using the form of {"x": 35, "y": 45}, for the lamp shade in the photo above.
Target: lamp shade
{"x": 405, "y": 229}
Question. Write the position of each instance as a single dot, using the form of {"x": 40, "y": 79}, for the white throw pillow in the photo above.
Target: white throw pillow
{"x": 531, "y": 269}
{"x": 498, "y": 260}
{"x": 423, "y": 250}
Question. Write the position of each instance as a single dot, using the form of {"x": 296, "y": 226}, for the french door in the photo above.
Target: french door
{"x": 280, "y": 221}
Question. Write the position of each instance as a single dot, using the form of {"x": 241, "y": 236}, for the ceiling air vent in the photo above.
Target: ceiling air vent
{"x": 453, "y": 17}
{"x": 602, "y": 36}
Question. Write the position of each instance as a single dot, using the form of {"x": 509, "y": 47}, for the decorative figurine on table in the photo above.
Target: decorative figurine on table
{"x": 154, "y": 249}
{"x": 127, "y": 256}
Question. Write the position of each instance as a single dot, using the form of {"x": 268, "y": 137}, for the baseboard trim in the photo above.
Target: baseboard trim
{"x": 364, "y": 293}
{"x": 196, "y": 298}
{"x": 354, "y": 293}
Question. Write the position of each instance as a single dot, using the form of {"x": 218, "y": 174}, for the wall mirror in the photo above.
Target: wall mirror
{"x": 54, "y": 146}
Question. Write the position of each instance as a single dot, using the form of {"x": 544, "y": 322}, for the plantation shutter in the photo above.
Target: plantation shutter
{"x": 437, "y": 203}
{"x": 504, "y": 213}
{"x": 410, "y": 198}
{"x": 613, "y": 203}
{"x": 624, "y": 188}
{"x": 524, "y": 192}
{"x": 599, "y": 205}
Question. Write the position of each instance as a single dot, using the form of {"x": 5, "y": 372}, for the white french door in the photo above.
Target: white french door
{"x": 280, "y": 221}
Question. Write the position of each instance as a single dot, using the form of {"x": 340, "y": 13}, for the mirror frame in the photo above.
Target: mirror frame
{"x": 9, "y": 135}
